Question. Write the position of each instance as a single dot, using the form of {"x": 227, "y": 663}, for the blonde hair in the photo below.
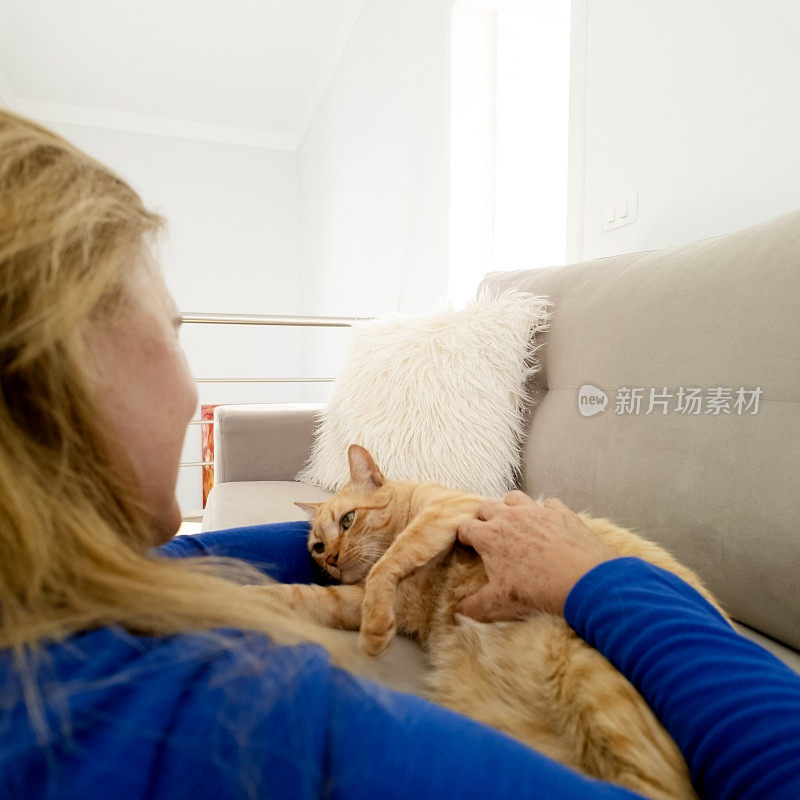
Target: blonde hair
{"x": 73, "y": 537}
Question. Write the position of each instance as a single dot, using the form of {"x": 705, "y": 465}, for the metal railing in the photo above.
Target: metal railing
{"x": 258, "y": 319}
{"x": 269, "y": 319}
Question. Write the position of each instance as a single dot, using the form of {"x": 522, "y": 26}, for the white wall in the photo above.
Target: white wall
{"x": 696, "y": 105}
{"x": 232, "y": 213}
{"x": 372, "y": 167}
{"x": 509, "y": 121}
{"x": 372, "y": 170}
{"x": 232, "y": 246}
{"x": 5, "y": 94}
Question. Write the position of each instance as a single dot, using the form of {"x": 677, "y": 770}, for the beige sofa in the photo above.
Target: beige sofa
{"x": 720, "y": 489}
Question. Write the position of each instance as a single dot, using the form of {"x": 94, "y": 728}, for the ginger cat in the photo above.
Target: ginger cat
{"x": 393, "y": 546}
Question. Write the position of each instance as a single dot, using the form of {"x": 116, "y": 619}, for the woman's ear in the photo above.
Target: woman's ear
{"x": 363, "y": 469}
{"x": 311, "y": 508}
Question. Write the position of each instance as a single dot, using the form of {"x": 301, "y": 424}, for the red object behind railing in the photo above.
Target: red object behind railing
{"x": 207, "y": 448}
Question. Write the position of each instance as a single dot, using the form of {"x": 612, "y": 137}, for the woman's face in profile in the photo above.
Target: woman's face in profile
{"x": 147, "y": 390}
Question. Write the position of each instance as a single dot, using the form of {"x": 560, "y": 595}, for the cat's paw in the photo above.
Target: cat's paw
{"x": 378, "y": 622}
{"x": 377, "y": 632}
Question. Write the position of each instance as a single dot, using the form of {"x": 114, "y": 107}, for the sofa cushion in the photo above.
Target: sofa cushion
{"x": 720, "y": 490}
{"x": 788, "y": 655}
{"x": 235, "y": 504}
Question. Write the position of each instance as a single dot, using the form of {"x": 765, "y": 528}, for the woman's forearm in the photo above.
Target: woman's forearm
{"x": 279, "y": 549}
{"x": 732, "y": 707}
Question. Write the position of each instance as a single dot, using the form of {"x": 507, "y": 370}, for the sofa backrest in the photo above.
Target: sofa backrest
{"x": 718, "y": 485}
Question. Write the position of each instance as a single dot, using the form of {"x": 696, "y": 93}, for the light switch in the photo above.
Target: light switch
{"x": 621, "y": 210}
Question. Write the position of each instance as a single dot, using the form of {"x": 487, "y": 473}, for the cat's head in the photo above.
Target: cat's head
{"x": 353, "y": 529}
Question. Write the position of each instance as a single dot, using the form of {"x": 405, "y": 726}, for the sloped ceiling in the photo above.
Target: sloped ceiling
{"x": 246, "y": 71}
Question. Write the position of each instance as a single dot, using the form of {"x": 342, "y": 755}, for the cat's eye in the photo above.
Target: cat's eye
{"x": 318, "y": 547}
{"x": 347, "y": 520}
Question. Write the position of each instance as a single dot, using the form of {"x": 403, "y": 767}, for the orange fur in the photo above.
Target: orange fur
{"x": 402, "y": 570}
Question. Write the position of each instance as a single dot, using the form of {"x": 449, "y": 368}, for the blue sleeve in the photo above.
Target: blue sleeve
{"x": 279, "y": 550}
{"x": 731, "y": 707}
{"x": 393, "y": 746}
{"x": 300, "y": 728}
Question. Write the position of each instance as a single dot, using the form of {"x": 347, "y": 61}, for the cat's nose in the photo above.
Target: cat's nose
{"x": 332, "y": 559}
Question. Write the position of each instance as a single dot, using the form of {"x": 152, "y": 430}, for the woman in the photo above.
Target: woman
{"x": 132, "y": 671}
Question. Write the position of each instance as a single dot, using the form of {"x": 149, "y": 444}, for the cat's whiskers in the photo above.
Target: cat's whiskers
{"x": 368, "y": 558}
{"x": 363, "y": 560}
{"x": 371, "y": 552}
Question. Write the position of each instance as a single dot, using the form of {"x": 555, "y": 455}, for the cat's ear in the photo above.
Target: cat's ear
{"x": 363, "y": 469}
{"x": 310, "y": 507}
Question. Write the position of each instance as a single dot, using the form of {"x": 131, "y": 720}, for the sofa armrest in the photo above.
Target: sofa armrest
{"x": 262, "y": 442}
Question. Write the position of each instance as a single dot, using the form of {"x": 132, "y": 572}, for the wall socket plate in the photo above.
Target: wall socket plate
{"x": 621, "y": 210}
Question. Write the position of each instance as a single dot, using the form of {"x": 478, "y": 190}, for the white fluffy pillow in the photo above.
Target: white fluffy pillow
{"x": 437, "y": 398}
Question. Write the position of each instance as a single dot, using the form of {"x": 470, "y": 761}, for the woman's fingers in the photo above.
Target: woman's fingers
{"x": 491, "y": 603}
{"x": 489, "y": 508}
{"x": 472, "y": 533}
{"x": 481, "y": 606}
{"x": 554, "y": 502}
{"x": 476, "y": 533}
{"x": 516, "y": 498}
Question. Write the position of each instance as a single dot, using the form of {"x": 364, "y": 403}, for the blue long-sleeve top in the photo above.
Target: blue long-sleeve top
{"x": 192, "y": 716}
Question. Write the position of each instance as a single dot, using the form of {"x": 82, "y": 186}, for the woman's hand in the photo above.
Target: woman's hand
{"x": 533, "y": 554}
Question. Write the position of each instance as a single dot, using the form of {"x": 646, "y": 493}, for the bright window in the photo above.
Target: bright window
{"x": 509, "y": 126}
